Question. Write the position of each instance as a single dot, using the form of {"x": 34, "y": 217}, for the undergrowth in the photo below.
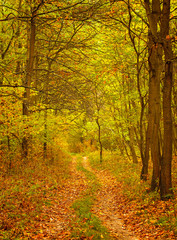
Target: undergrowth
{"x": 147, "y": 205}
{"x": 25, "y": 190}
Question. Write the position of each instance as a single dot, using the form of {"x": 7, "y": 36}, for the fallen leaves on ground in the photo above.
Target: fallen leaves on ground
{"x": 145, "y": 219}
{"x": 38, "y": 209}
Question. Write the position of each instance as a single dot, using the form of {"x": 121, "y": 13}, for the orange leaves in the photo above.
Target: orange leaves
{"x": 141, "y": 212}
{"x": 168, "y": 37}
{"x": 34, "y": 206}
{"x": 38, "y": 207}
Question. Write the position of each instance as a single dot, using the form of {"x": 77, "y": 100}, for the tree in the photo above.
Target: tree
{"x": 158, "y": 19}
{"x": 165, "y": 178}
{"x": 51, "y": 37}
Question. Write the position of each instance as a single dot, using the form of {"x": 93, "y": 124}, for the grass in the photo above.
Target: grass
{"x": 126, "y": 172}
{"x": 145, "y": 204}
{"x": 86, "y": 224}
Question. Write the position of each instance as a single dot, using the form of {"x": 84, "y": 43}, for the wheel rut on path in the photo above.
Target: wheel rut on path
{"x": 106, "y": 204}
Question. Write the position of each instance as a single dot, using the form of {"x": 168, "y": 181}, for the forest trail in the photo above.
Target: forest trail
{"x": 85, "y": 203}
{"x": 60, "y": 213}
{"x": 62, "y": 218}
{"x": 106, "y": 204}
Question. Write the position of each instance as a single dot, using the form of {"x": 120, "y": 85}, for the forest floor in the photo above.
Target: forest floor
{"x": 88, "y": 204}
{"x": 106, "y": 204}
{"x": 62, "y": 221}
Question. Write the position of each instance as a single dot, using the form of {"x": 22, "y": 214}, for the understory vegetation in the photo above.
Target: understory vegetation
{"x": 37, "y": 185}
{"x": 139, "y": 199}
{"x": 26, "y": 189}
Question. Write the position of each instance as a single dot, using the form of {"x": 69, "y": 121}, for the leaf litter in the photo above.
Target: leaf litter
{"x": 54, "y": 219}
{"x": 127, "y": 218}
{"x": 105, "y": 206}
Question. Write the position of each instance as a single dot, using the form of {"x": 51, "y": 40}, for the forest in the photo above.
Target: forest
{"x": 88, "y": 112}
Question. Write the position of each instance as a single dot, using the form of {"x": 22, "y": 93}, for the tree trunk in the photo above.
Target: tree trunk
{"x": 175, "y": 139}
{"x": 174, "y": 94}
{"x": 45, "y": 135}
{"x": 159, "y": 40}
{"x": 155, "y": 67}
{"x": 28, "y": 78}
{"x": 165, "y": 181}
{"x": 99, "y": 140}
{"x": 132, "y": 144}
{"x": 145, "y": 159}
{"x": 153, "y": 12}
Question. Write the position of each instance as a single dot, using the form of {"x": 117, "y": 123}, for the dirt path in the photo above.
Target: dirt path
{"x": 60, "y": 214}
{"x": 107, "y": 202}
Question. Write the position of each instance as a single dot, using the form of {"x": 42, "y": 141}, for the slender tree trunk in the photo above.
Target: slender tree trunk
{"x": 45, "y": 113}
{"x": 28, "y": 79}
{"x": 174, "y": 94}
{"x": 144, "y": 171}
{"x": 155, "y": 64}
{"x": 31, "y": 39}
{"x": 175, "y": 140}
{"x": 45, "y": 135}
{"x": 99, "y": 139}
{"x": 132, "y": 144}
{"x": 138, "y": 70}
{"x": 2, "y": 57}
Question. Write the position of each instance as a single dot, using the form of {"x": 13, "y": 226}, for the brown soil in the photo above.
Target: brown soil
{"x": 106, "y": 207}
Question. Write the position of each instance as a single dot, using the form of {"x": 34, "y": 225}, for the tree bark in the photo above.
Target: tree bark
{"x": 28, "y": 78}
{"x": 99, "y": 139}
{"x": 45, "y": 135}
{"x": 155, "y": 67}
{"x": 31, "y": 38}
{"x": 45, "y": 111}
{"x": 145, "y": 159}
{"x": 165, "y": 181}
{"x": 159, "y": 44}
{"x": 153, "y": 12}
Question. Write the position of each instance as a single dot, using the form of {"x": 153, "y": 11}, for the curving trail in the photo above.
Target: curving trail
{"x": 58, "y": 218}
{"x": 106, "y": 204}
